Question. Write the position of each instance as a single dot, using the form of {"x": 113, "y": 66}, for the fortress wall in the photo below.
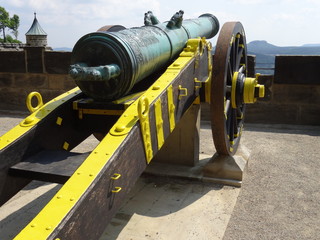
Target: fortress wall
{"x": 33, "y": 69}
{"x": 292, "y": 94}
{"x": 15, "y": 87}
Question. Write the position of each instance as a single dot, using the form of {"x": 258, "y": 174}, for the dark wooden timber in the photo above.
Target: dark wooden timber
{"x": 39, "y": 155}
{"x": 45, "y": 135}
{"x": 97, "y": 206}
{"x": 50, "y": 166}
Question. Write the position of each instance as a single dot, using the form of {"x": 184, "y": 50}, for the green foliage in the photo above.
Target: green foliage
{"x": 9, "y": 39}
{"x": 8, "y": 23}
{"x": 14, "y": 25}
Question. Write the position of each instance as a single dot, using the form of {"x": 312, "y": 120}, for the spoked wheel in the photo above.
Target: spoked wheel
{"x": 227, "y": 87}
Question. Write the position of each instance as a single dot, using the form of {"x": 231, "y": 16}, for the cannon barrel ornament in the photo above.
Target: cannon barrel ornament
{"x": 106, "y": 65}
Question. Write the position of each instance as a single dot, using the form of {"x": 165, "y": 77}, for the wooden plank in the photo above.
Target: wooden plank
{"x": 46, "y": 134}
{"x": 97, "y": 206}
{"x": 87, "y": 202}
{"x": 49, "y": 165}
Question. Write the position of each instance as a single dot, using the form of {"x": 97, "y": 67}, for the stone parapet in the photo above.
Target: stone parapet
{"x": 12, "y": 46}
{"x": 15, "y": 87}
{"x": 292, "y": 95}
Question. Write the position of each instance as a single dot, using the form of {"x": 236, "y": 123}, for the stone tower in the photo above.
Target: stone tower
{"x": 36, "y": 36}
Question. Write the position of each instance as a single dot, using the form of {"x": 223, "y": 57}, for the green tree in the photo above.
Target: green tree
{"x": 10, "y": 23}
{"x": 14, "y": 25}
{"x": 4, "y": 21}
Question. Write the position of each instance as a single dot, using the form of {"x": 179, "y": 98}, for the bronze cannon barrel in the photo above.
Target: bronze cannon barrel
{"x": 106, "y": 65}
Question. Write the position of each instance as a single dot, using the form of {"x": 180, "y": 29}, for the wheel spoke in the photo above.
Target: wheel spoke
{"x": 240, "y": 52}
{"x": 230, "y": 74}
{"x": 227, "y": 121}
{"x": 233, "y": 57}
{"x": 231, "y": 127}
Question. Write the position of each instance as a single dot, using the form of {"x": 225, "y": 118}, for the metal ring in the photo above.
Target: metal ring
{"x": 29, "y": 101}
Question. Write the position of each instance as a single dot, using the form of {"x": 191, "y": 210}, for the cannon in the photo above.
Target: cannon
{"x": 135, "y": 86}
{"x": 106, "y": 65}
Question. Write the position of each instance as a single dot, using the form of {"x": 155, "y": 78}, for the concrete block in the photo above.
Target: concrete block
{"x": 48, "y": 95}
{"x": 296, "y": 94}
{"x": 182, "y": 146}
{"x": 6, "y": 80}
{"x": 309, "y": 114}
{"x": 34, "y": 56}
{"x": 227, "y": 169}
{"x": 251, "y": 65}
{"x": 15, "y": 98}
{"x": 31, "y": 81}
{"x": 297, "y": 69}
{"x": 56, "y": 81}
{"x": 205, "y": 112}
{"x": 12, "y": 62}
{"x": 57, "y": 62}
{"x": 69, "y": 83}
{"x": 271, "y": 113}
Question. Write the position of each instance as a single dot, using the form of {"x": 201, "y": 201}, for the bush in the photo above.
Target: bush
{"x": 9, "y": 39}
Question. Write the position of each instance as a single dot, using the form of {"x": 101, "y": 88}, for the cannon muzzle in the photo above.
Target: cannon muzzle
{"x": 106, "y": 65}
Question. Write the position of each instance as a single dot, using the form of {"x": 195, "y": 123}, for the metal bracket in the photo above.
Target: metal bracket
{"x": 184, "y": 90}
{"x": 143, "y": 113}
{"x": 116, "y": 176}
{"x": 171, "y": 108}
{"x": 159, "y": 123}
{"x": 116, "y": 189}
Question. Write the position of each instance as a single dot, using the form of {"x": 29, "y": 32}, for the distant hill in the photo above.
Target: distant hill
{"x": 266, "y": 52}
{"x": 264, "y": 47}
{"x": 311, "y": 45}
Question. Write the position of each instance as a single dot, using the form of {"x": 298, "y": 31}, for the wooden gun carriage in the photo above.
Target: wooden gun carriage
{"x": 134, "y": 87}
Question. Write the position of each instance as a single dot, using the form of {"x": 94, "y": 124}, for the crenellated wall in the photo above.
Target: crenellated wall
{"x": 292, "y": 94}
{"x": 32, "y": 69}
{"x": 15, "y": 87}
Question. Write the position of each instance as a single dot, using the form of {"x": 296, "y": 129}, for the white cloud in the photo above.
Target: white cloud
{"x": 249, "y": 2}
{"x": 16, "y": 3}
{"x": 66, "y": 21}
{"x": 62, "y": 11}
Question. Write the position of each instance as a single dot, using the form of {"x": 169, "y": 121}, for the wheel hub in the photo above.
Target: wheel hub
{"x": 245, "y": 90}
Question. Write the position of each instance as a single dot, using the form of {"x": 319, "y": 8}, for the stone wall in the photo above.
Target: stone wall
{"x": 15, "y": 87}
{"x": 292, "y": 94}
{"x": 34, "y": 60}
{"x": 33, "y": 69}
{"x": 12, "y": 46}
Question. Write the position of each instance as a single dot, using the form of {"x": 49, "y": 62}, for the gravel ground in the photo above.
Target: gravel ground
{"x": 280, "y": 196}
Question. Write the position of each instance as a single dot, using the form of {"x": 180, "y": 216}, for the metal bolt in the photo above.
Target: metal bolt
{"x": 120, "y": 128}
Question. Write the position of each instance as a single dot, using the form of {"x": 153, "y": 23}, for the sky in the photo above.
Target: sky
{"x": 279, "y": 22}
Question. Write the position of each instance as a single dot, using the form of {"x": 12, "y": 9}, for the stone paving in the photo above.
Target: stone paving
{"x": 279, "y": 198}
